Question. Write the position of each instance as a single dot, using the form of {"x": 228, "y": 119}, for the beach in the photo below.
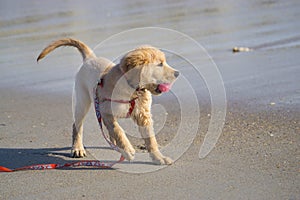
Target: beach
{"x": 257, "y": 155}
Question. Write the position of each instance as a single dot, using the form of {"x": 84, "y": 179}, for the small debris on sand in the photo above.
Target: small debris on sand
{"x": 241, "y": 49}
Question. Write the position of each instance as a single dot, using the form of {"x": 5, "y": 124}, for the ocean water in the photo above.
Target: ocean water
{"x": 26, "y": 27}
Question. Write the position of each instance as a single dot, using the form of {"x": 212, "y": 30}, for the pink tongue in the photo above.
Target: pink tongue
{"x": 164, "y": 87}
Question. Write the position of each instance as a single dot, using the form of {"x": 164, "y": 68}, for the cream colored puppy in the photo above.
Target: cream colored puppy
{"x": 140, "y": 73}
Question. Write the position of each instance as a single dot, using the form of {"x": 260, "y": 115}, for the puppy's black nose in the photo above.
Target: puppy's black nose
{"x": 176, "y": 74}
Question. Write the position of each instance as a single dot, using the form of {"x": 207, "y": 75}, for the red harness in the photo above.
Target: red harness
{"x": 131, "y": 102}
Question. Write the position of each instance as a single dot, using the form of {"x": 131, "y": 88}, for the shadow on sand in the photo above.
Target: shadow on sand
{"x": 13, "y": 158}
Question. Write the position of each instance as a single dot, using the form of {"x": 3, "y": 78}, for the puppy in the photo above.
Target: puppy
{"x": 140, "y": 73}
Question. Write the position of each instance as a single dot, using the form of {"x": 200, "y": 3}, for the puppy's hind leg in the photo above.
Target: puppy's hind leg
{"x": 81, "y": 105}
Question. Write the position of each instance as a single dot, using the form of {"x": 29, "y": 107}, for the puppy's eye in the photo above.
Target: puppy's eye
{"x": 160, "y": 64}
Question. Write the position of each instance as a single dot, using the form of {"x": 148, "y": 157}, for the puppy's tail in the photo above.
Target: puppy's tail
{"x": 85, "y": 51}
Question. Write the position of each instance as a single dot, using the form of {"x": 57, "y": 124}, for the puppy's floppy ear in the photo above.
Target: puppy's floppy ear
{"x": 124, "y": 64}
{"x": 133, "y": 59}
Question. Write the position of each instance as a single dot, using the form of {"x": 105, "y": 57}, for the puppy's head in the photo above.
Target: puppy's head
{"x": 146, "y": 68}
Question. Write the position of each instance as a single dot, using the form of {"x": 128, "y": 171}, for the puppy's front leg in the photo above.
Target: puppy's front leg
{"x": 119, "y": 137}
{"x": 146, "y": 130}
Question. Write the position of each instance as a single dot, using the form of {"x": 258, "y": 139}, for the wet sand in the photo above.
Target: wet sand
{"x": 257, "y": 155}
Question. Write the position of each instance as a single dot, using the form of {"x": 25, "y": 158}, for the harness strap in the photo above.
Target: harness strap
{"x": 132, "y": 105}
{"x": 130, "y": 102}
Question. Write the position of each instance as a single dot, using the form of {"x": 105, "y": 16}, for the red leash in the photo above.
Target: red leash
{"x": 87, "y": 163}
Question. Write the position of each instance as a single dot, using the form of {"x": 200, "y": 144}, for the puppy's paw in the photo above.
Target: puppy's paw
{"x": 159, "y": 159}
{"x": 128, "y": 153}
{"x": 78, "y": 153}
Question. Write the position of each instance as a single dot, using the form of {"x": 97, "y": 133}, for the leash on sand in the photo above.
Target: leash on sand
{"x": 86, "y": 163}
